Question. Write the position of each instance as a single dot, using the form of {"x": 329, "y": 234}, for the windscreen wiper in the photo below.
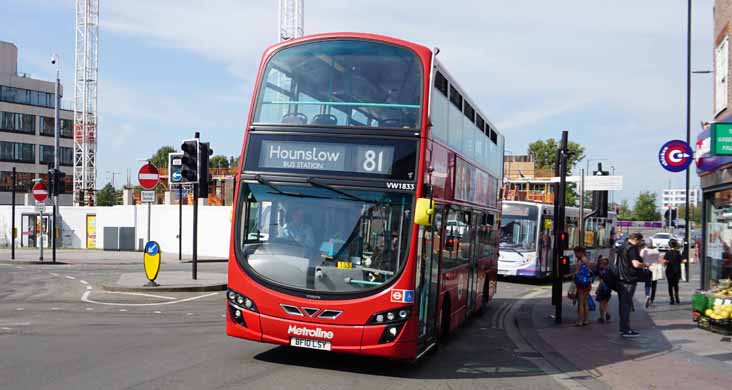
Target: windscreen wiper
{"x": 513, "y": 250}
{"x": 316, "y": 183}
{"x": 262, "y": 180}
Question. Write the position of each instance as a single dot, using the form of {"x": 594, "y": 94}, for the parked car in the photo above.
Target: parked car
{"x": 660, "y": 240}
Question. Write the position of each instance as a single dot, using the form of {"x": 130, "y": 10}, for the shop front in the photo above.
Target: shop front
{"x": 712, "y": 304}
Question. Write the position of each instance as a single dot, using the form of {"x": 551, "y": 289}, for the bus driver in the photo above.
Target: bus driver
{"x": 298, "y": 230}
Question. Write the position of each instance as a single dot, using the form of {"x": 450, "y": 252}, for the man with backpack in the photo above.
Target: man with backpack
{"x": 628, "y": 265}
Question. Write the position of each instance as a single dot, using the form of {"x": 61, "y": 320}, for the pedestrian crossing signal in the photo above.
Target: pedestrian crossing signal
{"x": 564, "y": 265}
{"x": 563, "y": 241}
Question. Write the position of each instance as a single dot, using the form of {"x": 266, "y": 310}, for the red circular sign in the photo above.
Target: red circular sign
{"x": 40, "y": 193}
{"x": 148, "y": 176}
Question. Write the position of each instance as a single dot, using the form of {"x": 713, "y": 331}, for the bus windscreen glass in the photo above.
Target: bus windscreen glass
{"x": 342, "y": 82}
{"x": 323, "y": 240}
{"x": 518, "y": 227}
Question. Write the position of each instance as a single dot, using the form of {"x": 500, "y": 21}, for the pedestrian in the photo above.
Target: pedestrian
{"x": 583, "y": 281}
{"x": 628, "y": 264}
{"x": 651, "y": 257}
{"x": 673, "y": 260}
{"x": 603, "y": 293}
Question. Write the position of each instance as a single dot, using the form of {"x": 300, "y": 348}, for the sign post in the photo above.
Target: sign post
{"x": 148, "y": 177}
{"x": 151, "y": 261}
{"x": 175, "y": 177}
{"x": 40, "y": 193}
{"x": 560, "y": 170}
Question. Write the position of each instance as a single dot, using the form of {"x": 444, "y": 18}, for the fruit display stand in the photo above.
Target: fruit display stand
{"x": 713, "y": 309}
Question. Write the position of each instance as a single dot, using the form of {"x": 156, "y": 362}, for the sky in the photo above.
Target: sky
{"x": 611, "y": 73}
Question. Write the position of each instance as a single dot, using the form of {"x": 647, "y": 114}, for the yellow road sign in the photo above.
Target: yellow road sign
{"x": 152, "y": 260}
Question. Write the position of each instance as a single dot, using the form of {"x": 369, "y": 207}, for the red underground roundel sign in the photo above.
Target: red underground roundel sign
{"x": 675, "y": 156}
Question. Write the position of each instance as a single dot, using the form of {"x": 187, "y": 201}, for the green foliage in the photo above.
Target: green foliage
{"x": 218, "y": 161}
{"x": 626, "y": 213}
{"x": 544, "y": 153}
{"x": 160, "y": 158}
{"x": 646, "y": 208}
{"x": 695, "y": 214}
{"x": 107, "y": 196}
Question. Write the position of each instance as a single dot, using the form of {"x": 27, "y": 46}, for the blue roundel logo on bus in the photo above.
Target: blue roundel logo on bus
{"x": 675, "y": 156}
{"x": 177, "y": 176}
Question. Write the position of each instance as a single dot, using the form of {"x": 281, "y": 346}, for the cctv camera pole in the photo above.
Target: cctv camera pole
{"x": 54, "y": 181}
{"x": 560, "y": 170}
{"x": 12, "y": 219}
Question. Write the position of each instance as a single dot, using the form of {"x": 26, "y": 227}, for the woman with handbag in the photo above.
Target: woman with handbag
{"x": 583, "y": 280}
{"x": 673, "y": 260}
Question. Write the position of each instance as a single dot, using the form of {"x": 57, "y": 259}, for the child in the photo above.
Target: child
{"x": 603, "y": 292}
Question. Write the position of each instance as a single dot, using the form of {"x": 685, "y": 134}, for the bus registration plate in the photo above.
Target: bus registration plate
{"x": 308, "y": 343}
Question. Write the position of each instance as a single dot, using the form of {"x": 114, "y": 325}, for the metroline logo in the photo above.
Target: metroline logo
{"x": 304, "y": 331}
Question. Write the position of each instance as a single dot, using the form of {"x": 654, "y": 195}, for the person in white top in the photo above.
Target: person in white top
{"x": 654, "y": 259}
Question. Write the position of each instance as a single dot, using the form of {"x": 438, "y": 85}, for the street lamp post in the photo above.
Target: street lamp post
{"x": 688, "y": 132}
{"x": 56, "y": 101}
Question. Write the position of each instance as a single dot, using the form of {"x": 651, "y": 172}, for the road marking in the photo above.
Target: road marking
{"x": 69, "y": 277}
{"x": 55, "y": 308}
{"x": 14, "y": 323}
{"x": 20, "y": 267}
{"x": 189, "y": 314}
{"x": 6, "y": 328}
{"x": 85, "y": 298}
{"x": 223, "y": 316}
{"x": 140, "y": 294}
{"x": 19, "y": 309}
{"x": 89, "y": 308}
{"x": 54, "y": 274}
{"x": 88, "y": 287}
{"x": 157, "y": 312}
{"x": 122, "y": 309}
{"x": 83, "y": 282}
{"x": 6, "y": 264}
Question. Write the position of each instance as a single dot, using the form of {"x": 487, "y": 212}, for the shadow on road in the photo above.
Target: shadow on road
{"x": 479, "y": 349}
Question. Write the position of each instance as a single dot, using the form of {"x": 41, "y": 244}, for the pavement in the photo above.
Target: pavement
{"x": 671, "y": 353}
{"x": 169, "y": 281}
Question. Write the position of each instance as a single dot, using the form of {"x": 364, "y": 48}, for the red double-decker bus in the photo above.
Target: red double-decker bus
{"x": 367, "y": 209}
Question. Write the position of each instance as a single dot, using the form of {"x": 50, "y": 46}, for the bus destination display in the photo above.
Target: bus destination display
{"x": 338, "y": 157}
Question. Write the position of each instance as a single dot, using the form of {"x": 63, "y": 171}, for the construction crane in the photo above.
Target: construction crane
{"x": 291, "y": 19}
{"x": 85, "y": 101}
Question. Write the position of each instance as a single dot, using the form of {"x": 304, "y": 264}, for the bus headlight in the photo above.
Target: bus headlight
{"x": 237, "y": 304}
{"x": 391, "y": 316}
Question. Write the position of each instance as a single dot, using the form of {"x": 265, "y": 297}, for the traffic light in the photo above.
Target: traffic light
{"x": 564, "y": 265}
{"x": 58, "y": 182}
{"x": 203, "y": 176}
{"x": 563, "y": 241}
{"x": 599, "y": 198}
{"x": 190, "y": 166}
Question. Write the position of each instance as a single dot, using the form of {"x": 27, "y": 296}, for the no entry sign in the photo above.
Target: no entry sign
{"x": 148, "y": 176}
{"x": 40, "y": 193}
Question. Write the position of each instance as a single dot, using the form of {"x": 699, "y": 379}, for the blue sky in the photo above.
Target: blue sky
{"x": 612, "y": 73}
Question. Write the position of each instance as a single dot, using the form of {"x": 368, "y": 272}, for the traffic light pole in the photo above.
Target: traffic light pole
{"x": 180, "y": 222}
{"x": 54, "y": 179}
{"x": 560, "y": 170}
{"x": 195, "y": 232}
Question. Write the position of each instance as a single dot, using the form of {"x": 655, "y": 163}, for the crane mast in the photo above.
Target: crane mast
{"x": 85, "y": 101}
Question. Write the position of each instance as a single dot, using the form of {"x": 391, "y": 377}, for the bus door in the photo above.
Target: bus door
{"x": 472, "y": 235}
{"x": 545, "y": 241}
{"x": 430, "y": 242}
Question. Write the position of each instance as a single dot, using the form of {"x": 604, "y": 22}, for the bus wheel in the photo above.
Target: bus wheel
{"x": 445, "y": 318}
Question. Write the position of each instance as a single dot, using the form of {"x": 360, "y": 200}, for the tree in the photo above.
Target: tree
{"x": 107, "y": 196}
{"x": 645, "y": 207}
{"x": 626, "y": 214}
{"x": 544, "y": 153}
{"x": 160, "y": 158}
{"x": 218, "y": 161}
{"x": 695, "y": 214}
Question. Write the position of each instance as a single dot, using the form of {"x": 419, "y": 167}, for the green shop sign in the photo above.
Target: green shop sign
{"x": 722, "y": 139}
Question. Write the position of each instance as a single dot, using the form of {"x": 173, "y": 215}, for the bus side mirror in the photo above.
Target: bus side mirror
{"x": 424, "y": 211}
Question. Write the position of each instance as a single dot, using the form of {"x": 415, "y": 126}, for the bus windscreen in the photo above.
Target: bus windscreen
{"x": 342, "y": 83}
